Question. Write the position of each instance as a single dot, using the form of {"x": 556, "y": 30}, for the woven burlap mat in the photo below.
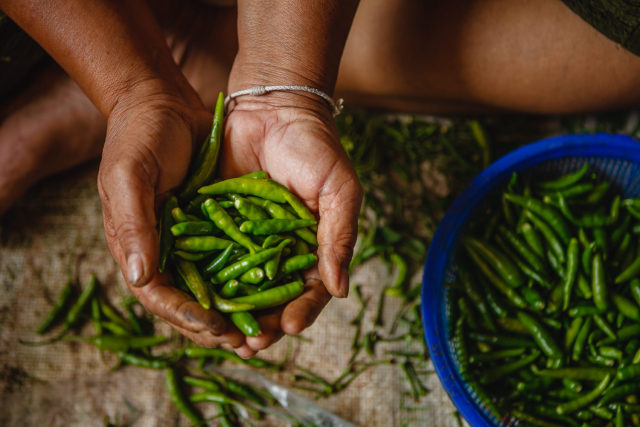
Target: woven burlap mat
{"x": 69, "y": 384}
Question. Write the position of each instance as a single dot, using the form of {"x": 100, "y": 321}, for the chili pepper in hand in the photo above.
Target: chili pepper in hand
{"x": 166, "y": 238}
{"x": 207, "y": 159}
{"x": 224, "y": 222}
{"x": 274, "y": 226}
{"x": 191, "y": 276}
{"x": 247, "y": 324}
{"x": 272, "y": 297}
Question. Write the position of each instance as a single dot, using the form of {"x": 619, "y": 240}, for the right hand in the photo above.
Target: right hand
{"x": 150, "y": 138}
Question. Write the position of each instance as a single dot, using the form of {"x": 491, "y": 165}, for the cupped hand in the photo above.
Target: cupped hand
{"x": 150, "y": 138}
{"x": 295, "y": 140}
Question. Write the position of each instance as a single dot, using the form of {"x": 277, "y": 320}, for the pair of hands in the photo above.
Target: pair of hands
{"x": 149, "y": 144}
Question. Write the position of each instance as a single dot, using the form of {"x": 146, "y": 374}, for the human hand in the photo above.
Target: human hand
{"x": 295, "y": 140}
{"x": 150, "y": 138}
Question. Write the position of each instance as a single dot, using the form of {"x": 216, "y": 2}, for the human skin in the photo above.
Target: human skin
{"x": 116, "y": 53}
{"x": 475, "y": 56}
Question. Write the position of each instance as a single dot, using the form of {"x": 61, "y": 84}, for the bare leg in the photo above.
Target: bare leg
{"x": 51, "y": 127}
{"x": 483, "y": 55}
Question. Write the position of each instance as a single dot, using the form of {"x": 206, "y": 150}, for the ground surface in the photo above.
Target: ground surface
{"x": 67, "y": 384}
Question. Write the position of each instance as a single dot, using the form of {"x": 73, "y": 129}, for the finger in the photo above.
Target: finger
{"x": 245, "y": 351}
{"x": 339, "y": 206}
{"x": 127, "y": 189}
{"x": 271, "y": 331}
{"x": 232, "y": 340}
{"x": 300, "y": 313}
{"x": 172, "y": 305}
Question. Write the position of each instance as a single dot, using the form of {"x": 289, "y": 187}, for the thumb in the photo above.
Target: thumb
{"x": 339, "y": 206}
{"x": 127, "y": 186}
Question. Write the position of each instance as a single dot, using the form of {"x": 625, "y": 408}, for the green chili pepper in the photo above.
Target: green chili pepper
{"x": 598, "y": 283}
{"x": 590, "y": 220}
{"x": 238, "y": 268}
{"x": 178, "y": 398}
{"x": 166, "y": 238}
{"x": 496, "y": 281}
{"x": 272, "y": 297}
{"x": 191, "y": 276}
{"x": 532, "y": 238}
{"x": 200, "y": 352}
{"x": 498, "y": 261}
{"x": 540, "y": 336}
{"x": 584, "y": 286}
{"x": 494, "y": 374}
{"x": 192, "y": 256}
{"x": 278, "y": 212}
{"x": 230, "y": 306}
{"x": 96, "y": 315}
{"x": 546, "y": 212}
{"x": 618, "y": 392}
{"x": 570, "y": 274}
{"x": 604, "y": 326}
{"x": 74, "y": 313}
{"x": 630, "y": 272}
{"x": 578, "y": 373}
{"x": 584, "y": 400}
{"x": 254, "y": 276}
{"x": 274, "y": 226}
{"x": 57, "y": 310}
{"x": 600, "y": 237}
{"x": 271, "y": 266}
{"x": 193, "y": 228}
{"x": 565, "y": 180}
{"x": 626, "y": 307}
{"x": 578, "y": 344}
{"x": 219, "y": 262}
{"x": 141, "y": 361}
{"x": 548, "y": 234}
{"x": 572, "y": 333}
{"x": 224, "y": 222}
{"x": 529, "y": 255}
{"x": 247, "y": 324}
{"x": 598, "y": 193}
{"x": 115, "y": 328}
{"x": 401, "y": 270}
{"x": 230, "y": 289}
{"x": 501, "y": 340}
{"x": 207, "y": 159}
{"x": 202, "y": 383}
{"x": 264, "y": 188}
{"x": 297, "y": 263}
{"x": 201, "y": 243}
{"x": 476, "y": 297}
{"x": 248, "y": 209}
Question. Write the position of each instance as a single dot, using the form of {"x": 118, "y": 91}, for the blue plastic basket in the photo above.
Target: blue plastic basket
{"x": 615, "y": 158}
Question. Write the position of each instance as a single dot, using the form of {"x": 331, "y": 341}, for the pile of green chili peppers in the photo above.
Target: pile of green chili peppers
{"x": 237, "y": 245}
{"x": 190, "y": 372}
{"x": 545, "y": 322}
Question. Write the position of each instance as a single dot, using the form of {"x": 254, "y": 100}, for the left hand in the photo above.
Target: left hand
{"x": 295, "y": 140}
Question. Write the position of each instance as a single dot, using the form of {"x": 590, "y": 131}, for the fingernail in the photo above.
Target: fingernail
{"x": 135, "y": 269}
{"x": 344, "y": 283}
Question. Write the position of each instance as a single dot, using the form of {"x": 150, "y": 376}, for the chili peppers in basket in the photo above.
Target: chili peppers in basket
{"x": 554, "y": 336}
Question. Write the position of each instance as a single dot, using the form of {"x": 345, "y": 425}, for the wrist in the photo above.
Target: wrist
{"x": 245, "y": 76}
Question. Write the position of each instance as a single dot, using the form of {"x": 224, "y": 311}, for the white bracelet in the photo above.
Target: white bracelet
{"x": 336, "y": 107}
